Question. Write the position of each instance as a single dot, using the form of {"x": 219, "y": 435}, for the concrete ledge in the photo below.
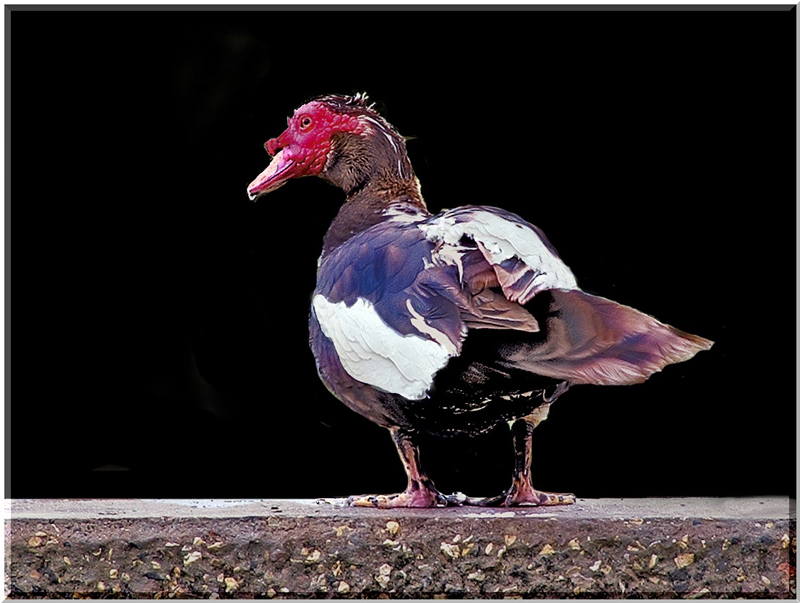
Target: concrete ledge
{"x": 694, "y": 548}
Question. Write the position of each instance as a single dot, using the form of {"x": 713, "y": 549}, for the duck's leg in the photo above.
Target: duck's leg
{"x": 420, "y": 491}
{"x": 522, "y": 492}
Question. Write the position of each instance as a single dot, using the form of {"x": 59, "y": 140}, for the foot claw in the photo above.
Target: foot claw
{"x": 363, "y": 501}
{"x": 556, "y": 499}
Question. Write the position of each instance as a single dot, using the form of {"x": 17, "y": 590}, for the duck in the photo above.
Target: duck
{"x": 447, "y": 324}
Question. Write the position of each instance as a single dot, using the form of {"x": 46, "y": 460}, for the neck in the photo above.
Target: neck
{"x": 365, "y": 209}
{"x": 377, "y": 176}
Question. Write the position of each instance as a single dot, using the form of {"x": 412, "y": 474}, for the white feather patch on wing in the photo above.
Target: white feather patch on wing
{"x": 374, "y": 353}
{"x": 500, "y": 240}
{"x": 423, "y": 327}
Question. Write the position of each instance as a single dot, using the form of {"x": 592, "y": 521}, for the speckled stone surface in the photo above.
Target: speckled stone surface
{"x": 692, "y": 548}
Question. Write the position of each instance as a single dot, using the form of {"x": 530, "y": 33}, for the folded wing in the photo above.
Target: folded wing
{"x": 581, "y": 338}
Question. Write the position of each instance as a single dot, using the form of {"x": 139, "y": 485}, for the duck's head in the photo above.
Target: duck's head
{"x": 338, "y": 138}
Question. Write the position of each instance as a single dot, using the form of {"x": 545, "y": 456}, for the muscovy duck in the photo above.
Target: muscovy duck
{"x": 450, "y": 323}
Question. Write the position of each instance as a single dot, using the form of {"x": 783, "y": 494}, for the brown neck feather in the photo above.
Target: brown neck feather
{"x": 375, "y": 173}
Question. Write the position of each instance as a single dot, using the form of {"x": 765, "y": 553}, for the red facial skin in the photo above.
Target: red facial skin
{"x": 303, "y": 148}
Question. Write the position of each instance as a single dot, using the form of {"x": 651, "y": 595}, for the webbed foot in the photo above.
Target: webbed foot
{"x": 420, "y": 493}
{"x": 516, "y": 498}
{"x": 522, "y": 493}
{"x": 417, "y": 498}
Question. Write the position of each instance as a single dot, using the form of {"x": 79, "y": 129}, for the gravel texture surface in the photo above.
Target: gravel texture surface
{"x": 693, "y": 548}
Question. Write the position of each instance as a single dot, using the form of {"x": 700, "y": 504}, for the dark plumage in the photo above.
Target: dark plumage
{"x": 447, "y": 324}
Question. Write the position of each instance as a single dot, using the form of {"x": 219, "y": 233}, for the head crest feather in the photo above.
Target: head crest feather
{"x": 341, "y": 103}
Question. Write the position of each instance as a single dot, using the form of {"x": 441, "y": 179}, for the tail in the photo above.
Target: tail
{"x": 593, "y": 340}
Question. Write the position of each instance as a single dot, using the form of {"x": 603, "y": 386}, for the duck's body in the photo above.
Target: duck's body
{"x": 389, "y": 323}
{"x": 447, "y": 324}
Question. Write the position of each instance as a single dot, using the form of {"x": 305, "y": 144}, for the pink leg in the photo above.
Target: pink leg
{"x": 420, "y": 491}
{"x": 522, "y": 492}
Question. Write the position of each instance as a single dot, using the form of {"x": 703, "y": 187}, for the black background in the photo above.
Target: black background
{"x": 158, "y": 317}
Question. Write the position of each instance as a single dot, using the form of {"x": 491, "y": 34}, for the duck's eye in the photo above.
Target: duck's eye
{"x": 305, "y": 123}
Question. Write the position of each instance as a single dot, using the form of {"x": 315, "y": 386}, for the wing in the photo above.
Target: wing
{"x": 523, "y": 261}
{"x": 389, "y": 312}
{"x": 583, "y": 338}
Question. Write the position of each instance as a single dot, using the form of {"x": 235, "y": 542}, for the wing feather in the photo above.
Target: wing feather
{"x": 389, "y": 328}
{"x": 523, "y": 260}
{"x": 374, "y": 353}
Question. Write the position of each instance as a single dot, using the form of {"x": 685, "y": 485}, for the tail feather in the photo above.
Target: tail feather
{"x": 593, "y": 340}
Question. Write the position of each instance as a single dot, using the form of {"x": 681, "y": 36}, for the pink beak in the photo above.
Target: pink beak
{"x": 283, "y": 167}
{"x": 278, "y": 172}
